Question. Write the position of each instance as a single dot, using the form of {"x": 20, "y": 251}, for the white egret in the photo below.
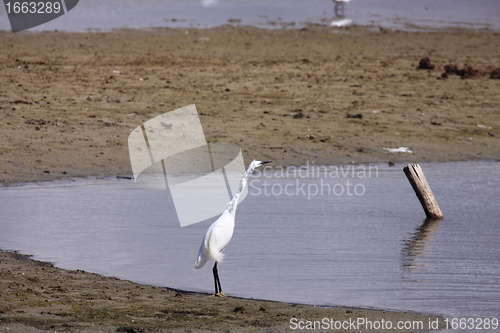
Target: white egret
{"x": 209, "y": 3}
{"x": 340, "y": 3}
{"x": 219, "y": 234}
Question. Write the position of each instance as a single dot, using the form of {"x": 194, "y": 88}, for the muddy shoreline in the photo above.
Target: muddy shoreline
{"x": 37, "y": 297}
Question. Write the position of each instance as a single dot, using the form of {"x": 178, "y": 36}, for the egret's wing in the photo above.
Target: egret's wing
{"x": 203, "y": 254}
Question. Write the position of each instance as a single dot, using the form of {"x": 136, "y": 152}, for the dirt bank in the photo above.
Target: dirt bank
{"x": 68, "y": 101}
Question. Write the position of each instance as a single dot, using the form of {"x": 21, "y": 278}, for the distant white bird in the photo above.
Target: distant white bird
{"x": 219, "y": 234}
{"x": 341, "y": 1}
{"x": 340, "y": 21}
{"x": 209, "y": 3}
{"x": 340, "y": 4}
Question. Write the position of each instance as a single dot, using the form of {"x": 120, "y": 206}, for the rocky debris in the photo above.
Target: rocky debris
{"x": 35, "y": 122}
{"x": 450, "y": 69}
{"x": 425, "y": 63}
{"x": 467, "y": 72}
{"x": 464, "y": 73}
{"x": 240, "y": 309}
{"x": 495, "y": 74}
{"x": 354, "y": 115}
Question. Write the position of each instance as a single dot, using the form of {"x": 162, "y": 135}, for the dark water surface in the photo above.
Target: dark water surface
{"x": 364, "y": 244}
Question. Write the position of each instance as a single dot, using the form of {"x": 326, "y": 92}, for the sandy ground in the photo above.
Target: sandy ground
{"x": 68, "y": 102}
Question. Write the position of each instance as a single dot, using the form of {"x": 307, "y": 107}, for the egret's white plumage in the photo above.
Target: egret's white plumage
{"x": 216, "y": 239}
{"x": 219, "y": 234}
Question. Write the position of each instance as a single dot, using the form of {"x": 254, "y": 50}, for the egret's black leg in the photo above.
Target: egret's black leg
{"x": 218, "y": 288}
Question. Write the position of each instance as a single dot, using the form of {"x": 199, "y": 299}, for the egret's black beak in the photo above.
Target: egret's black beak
{"x": 265, "y": 162}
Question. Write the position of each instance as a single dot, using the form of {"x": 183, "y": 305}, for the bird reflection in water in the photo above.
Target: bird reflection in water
{"x": 340, "y": 20}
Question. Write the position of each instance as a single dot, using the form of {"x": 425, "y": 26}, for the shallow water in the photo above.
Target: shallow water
{"x": 401, "y": 14}
{"x": 365, "y": 247}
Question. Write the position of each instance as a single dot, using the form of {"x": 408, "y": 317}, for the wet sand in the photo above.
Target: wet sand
{"x": 68, "y": 102}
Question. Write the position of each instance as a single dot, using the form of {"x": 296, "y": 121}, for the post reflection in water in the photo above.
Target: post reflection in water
{"x": 417, "y": 247}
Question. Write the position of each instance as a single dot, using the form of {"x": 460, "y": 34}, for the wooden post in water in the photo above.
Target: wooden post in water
{"x": 423, "y": 191}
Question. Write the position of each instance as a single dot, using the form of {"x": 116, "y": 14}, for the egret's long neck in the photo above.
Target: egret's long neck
{"x": 231, "y": 206}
